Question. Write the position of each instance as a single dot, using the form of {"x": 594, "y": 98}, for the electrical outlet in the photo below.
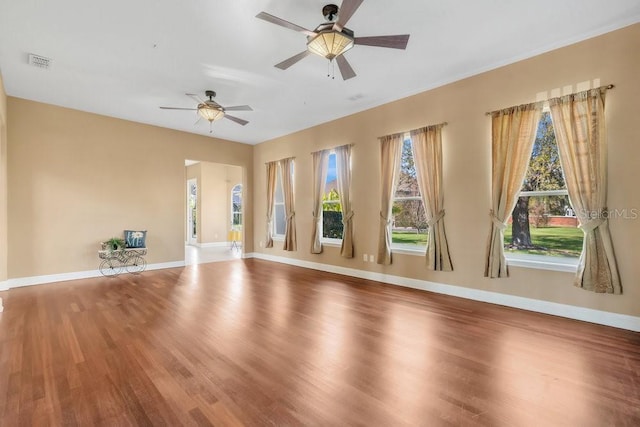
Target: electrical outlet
{"x": 364, "y": 257}
{"x": 261, "y": 244}
{"x": 370, "y": 258}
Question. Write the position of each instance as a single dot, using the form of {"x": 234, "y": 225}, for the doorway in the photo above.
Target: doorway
{"x": 214, "y": 211}
{"x": 192, "y": 211}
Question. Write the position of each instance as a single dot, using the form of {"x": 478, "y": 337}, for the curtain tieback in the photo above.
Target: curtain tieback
{"x": 346, "y": 218}
{"x": 433, "y": 221}
{"x": 291, "y": 215}
{"x": 497, "y": 222}
{"x": 384, "y": 219}
{"x": 591, "y": 224}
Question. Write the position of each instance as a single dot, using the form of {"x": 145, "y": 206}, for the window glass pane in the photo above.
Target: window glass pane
{"x": 553, "y": 228}
{"x": 279, "y": 196}
{"x": 544, "y": 224}
{"x": 332, "y": 174}
{"x": 409, "y": 223}
{"x": 407, "y": 181}
{"x": 280, "y": 219}
{"x": 331, "y": 208}
{"x": 236, "y": 207}
{"x": 409, "y": 228}
{"x": 237, "y": 221}
{"x": 545, "y": 172}
{"x": 331, "y": 221}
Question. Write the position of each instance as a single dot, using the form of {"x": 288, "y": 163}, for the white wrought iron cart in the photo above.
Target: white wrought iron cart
{"x": 114, "y": 261}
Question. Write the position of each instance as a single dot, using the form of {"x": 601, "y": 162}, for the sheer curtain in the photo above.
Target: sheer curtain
{"x": 513, "y": 132}
{"x": 343, "y": 166}
{"x": 579, "y": 124}
{"x": 427, "y": 155}
{"x": 390, "y": 152}
{"x": 319, "y": 170}
{"x": 272, "y": 170}
{"x": 286, "y": 167}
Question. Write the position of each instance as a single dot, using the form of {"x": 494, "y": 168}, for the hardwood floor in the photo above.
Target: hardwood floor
{"x": 255, "y": 343}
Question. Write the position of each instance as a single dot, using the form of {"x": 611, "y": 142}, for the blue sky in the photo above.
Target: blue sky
{"x": 331, "y": 170}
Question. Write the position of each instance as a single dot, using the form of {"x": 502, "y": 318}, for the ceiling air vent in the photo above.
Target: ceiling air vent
{"x": 39, "y": 61}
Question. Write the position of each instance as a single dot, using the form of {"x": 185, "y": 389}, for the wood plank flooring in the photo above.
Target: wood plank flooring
{"x": 255, "y": 343}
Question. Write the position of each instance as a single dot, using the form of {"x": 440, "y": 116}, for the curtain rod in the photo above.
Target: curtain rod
{"x": 275, "y": 161}
{"x": 412, "y": 130}
{"x": 333, "y": 148}
{"x": 607, "y": 87}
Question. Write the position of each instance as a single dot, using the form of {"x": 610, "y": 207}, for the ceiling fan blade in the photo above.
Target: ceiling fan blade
{"x": 236, "y": 119}
{"x": 179, "y": 108}
{"x": 279, "y": 21}
{"x": 195, "y": 97}
{"x": 238, "y": 108}
{"x": 345, "y": 69}
{"x": 396, "y": 42}
{"x": 346, "y": 11}
{"x": 289, "y": 62}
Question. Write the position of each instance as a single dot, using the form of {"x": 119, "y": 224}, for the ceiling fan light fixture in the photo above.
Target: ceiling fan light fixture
{"x": 210, "y": 113}
{"x": 330, "y": 44}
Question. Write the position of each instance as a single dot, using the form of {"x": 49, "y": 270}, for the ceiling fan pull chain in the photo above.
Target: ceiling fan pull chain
{"x": 331, "y": 69}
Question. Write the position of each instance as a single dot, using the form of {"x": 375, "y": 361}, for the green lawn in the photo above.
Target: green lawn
{"x": 553, "y": 241}
{"x": 409, "y": 238}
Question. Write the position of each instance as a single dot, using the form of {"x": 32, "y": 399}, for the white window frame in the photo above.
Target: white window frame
{"x": 543, "y": 262}
{"x": 399, "y": 247}
{"x": 235, "y": 191}
{"x": 329, "y": 241}
{"x": 275, "y": 235}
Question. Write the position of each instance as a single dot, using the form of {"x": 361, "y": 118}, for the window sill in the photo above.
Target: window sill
{"x": 542, "y": 262}
{"x": 331, "y": 242}
{"x": 409, "y": 250}
{"x": 277, "y": 238}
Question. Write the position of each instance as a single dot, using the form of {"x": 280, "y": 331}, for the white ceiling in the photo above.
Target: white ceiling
{"x": 124, "y": 58}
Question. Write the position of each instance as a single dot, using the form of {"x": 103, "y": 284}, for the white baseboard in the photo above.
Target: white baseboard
{"x": 606, "y": 318}
{"x": 51, "y": 278}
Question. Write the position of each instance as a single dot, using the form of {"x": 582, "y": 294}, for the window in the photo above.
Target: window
{"x": 331, "y": 208}
{"x": 236, "y": 207}
{"x": 409, "y": 226}
{"x": 279, "y": 216}
{"x": 543, "y": 221}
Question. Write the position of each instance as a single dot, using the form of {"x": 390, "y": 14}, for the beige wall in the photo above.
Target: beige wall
{"x": 215, "y": 182}
{"x": 611, "y": 58}
{"x": 77, "y": 178}
{"x": 3, "y": 183}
